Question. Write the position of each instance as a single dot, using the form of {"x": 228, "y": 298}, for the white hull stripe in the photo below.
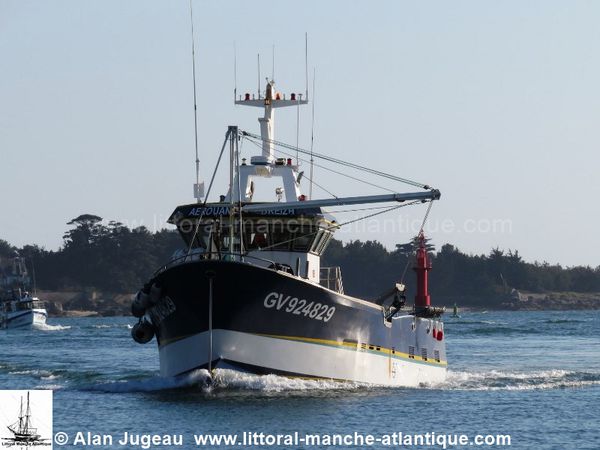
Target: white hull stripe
{"x": 25, "y": 313}
{"x": 263, "y": 354}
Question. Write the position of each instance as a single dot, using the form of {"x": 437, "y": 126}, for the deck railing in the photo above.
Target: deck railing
{"x": 331, "y": 278}
{"x": 221, "y": 256}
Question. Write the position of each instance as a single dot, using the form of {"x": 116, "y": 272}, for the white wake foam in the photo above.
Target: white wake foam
{"x": 198, "y": 378}
{"x": 49, "y": 387}
{"x": 48, "y": 327}
{"x": 495, "y": 380}
{"x": 115, "y": 325}
{"x": 34, "y": 372}
{"x": 224, "y": 380}
{"x": 231, "y": 379}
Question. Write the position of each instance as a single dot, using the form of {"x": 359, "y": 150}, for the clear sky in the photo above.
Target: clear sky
{"x": 495, "y": 103}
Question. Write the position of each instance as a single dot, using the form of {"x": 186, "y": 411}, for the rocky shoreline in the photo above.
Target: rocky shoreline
{"x": 553, "y": 301}
{"x": 526, "y": 301}
{"x": 86, "y": 303}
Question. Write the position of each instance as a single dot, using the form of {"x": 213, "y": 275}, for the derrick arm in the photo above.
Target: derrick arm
{"x": 433, "y": 194}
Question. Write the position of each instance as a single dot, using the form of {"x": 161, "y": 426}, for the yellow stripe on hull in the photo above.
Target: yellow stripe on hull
{"x": 354, "y": 346}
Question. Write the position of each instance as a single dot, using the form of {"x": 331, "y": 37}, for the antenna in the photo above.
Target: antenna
{"x": 258, "y": 57}
{"x": 312, "y": 137}
{"x": 306, "y": 62}
{"x": 297, "y": 132}
{"x": 234, "y": 72}
{"x": 273, "y": 71}
{"x": 198, "y": 188}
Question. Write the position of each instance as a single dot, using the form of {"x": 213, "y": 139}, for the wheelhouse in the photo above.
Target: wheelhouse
{"x": 284, "y": 240}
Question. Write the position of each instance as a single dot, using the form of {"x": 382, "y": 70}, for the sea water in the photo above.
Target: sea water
{"x": 532, "y": 375}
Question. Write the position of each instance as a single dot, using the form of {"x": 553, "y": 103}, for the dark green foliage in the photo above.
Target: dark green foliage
{"x": 410, "y": 247}
{"x": 369, "y": 269}
{"x": 6, "y": 250}
{"x": 111, "y": 258}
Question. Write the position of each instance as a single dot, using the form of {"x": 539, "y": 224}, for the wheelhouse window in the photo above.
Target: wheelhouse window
{"x": 200, "y": 234}
{"x": 278, "y": 236}
{"x": 229, "y": 243}
{"x": 302, "y": 239}
{"x": 271, "y": 235}
{"x": 315, "y": 243}
{"x": 321, "y": 242}
{"x": 324, "y": 242}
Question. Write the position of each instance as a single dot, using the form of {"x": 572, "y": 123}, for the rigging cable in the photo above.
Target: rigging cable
{"x": 310, "y": 179}
{"x": 413, "y": 243}
{"x": 341, "y": 162}
{"x": 321, "y": 187}
{"x": 329, "y": 169}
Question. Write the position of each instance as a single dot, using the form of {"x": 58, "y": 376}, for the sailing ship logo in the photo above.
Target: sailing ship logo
{"x": 25, "y": 419}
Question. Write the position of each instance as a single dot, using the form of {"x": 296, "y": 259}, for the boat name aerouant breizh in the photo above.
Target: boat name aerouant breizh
{"x": 18, "y": 308}
{"x": 249, "y": 292}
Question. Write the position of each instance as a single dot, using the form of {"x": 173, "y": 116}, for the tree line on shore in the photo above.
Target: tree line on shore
{"x": 115, "y": 258}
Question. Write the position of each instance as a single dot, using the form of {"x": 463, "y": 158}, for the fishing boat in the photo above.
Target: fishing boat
{"x": 249, "y": 293}
{"x": 18, "y": 308}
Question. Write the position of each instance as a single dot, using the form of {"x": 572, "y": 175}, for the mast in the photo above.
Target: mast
{"x": 232, "y": 140}
{"x": 239, "y": 191}
{"x": 27, "y": 415}
{"x": 271, "y": 100}
{"x": 21, "y": 417}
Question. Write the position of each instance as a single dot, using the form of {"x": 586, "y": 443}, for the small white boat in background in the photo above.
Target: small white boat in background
{"x": 23, "y": 311}
{"x": 18, "y": 308}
